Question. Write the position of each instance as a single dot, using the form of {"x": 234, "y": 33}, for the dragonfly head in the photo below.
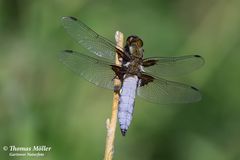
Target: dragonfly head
{"x": 134, "y": 46}
{"x": 134, "y": 40}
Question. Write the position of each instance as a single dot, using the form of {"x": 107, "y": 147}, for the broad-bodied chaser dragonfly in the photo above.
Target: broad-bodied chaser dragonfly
{"x": 139, "y": 76}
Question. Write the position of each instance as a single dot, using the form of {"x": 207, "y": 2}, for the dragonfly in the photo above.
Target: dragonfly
{"x": 144, "y": 77}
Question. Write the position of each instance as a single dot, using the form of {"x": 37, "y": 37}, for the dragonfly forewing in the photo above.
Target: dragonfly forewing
{"x": 172, "y": 66}
{"x": 89, "y": 39}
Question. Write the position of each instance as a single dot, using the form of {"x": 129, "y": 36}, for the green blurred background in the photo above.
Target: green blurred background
{"x": 43, "y": 103}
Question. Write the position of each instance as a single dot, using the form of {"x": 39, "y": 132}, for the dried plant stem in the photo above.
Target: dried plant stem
{"x": 111, "y": 124}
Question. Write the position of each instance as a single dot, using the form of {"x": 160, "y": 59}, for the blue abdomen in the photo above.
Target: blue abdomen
{"x": 126, "y": 103}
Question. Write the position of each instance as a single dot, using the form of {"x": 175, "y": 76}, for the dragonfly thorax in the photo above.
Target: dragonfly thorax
{"x": 133, "y": 67}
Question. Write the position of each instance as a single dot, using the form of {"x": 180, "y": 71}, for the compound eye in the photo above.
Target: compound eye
{"x": 131, "y": 39}
{"x": 140, "y": 42}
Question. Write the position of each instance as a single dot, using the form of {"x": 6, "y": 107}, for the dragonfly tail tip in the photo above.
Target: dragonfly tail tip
{"x": 123, "y": 131}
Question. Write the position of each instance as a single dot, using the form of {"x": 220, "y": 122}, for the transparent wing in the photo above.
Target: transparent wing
{"x": 89, "y": 39}
{"x": 165, "y": 92}
{"x": 93, "y": 70}
{"x": 172, "y": 66}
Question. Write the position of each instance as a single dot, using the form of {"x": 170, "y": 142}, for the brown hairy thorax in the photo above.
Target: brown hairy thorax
{"x": 133, "y": 62}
